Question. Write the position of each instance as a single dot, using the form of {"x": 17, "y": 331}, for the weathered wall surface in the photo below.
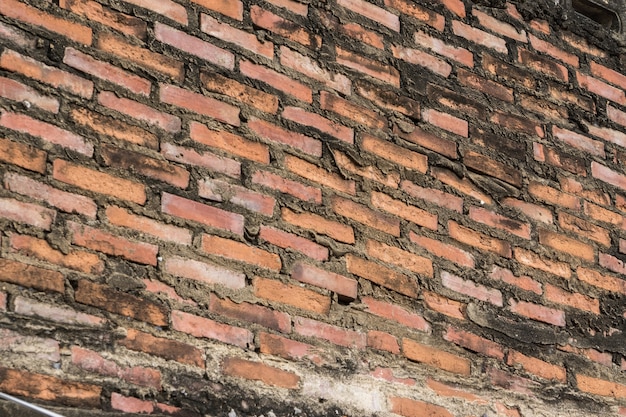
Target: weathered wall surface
{"x": 314, "y": 207}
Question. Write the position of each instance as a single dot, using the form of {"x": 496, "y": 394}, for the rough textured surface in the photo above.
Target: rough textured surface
{"x": 312, "y": 208}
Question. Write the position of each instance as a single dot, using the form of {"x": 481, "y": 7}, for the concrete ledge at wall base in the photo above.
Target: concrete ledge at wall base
{"x": 10, "y": 409}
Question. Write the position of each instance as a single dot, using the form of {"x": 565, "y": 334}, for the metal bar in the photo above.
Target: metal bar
{"x": 29, "y": 405}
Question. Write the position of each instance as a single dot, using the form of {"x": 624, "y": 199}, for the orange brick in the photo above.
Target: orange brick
{"x": 286, "y": 186}
{"x": 283, "y": 27}
{"x": 444, "y": 305}
{"x": 604, "y": 281}
{"x": 538, "y": 312}
{"x": 372, "y": 68}
{"x": 566, "y": 244}
{"x": 343, "y": 286}
{"x": 479, "y": 240}
{"x": 202, "y": 213}
{"x": 443, "y": 250}
{"x": 431, "y": 195}
{"x": 273, "y": 133}
{"x": 39, "y": 248}
{"x": 243, "y": 39}
{"x": 96, "y": 12}
{"x": 324, "y": 125}
{"x": 382, "y": 341}
{"x": 378, "y": 274}
{"x": 460, "y": 55}
{"x": 204, "y": 272}
{"x": 434, "y": 357}
{"x": 351, "y": 110}
{"x": 536, "y": 366}
{"x": 396, "y": 313}
{"x": 517, "y": 124}
{"x": 252, "y": 313}
{"x": 23, "y": 155}
{"x": 272, "y": 344}
{"x": 474, "y": 343}
{"x": 118, "y": 302}
{"x": 312, "y": 69}
{"x": 32, "y": 16}
{"x": 251, "y": 96}
{"x": 334, "y": 334}
{"x": 409, "y": 212}
{"x": 140, "y": 112}
{"x": 218, "y": 190}
{"x": 530, "y": 210}
{"x": 492, "y": 219}
{"x": 600, "y": 387}
{"x": 366, "y": 216}
{"x": 450, "y": 391}
{"x": 18, "y": 92}
{"x": 49, "y": 388}
{"x": 446, "y": 121}
{"x": 200, "y": 104}
{"x": 347, "y": 164}
{"x": 124, "y": 218}
{"x": 435, "y": 143}
{"x": 230, "y": 143}
{"x": 478, "y": 36}
{"x": 383, "y": 97}
{"x": 277, "y": 80}
{"x": 418, "y": 12}
{"x": 142, "y": 57}
{"x": 215, "y": 245}
{"x": 98, "y": 182}
{"x": 319, "y": 175}
{"x": 203, "y": 327}
{"x": 130, "y": 404}
{"x": 468, "y": 287}
{"x": 488, "y": 166}
{"x": 553, "y": 196}
{"x": 551, "y": 50}
{"x": 162, "y": 347}
{"x": 491, "y": 88}
{"x": 257, "y": 371}
{"x": 524, "y": 282}
{"x": 372, "y": 12}
{"x": 293, "y": 295}
{"x": 533, "y": 260}
{"x": 230, "y": 8}
{"x": 421, "y": 58}
{"x": 412, "y": 408}
{"x": 319, "y": 224}
{"x": 104, "y": 242}
{"x": 575, "y": 300}
{"x": 28, "y": 213}
{"x": 400, "y": 258}
{"x": 167, "y": 8}
{"x": 31, "y": 276}
{"x": 462, "y": 185}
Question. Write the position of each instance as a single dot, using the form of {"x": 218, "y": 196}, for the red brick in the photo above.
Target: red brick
{"x": 17, "y": 10}
{"x": 551, "y": 50}
{"x": 566, "y": 244}
{"x": 64, "y": 201}
{"x": 488, "y": 87}
{"x": 217, "y": 190}
{"x": 31, "y": 276}
{"x": 114, "y": 128}
{"x": 230, "y": 8}
{"x": 293, "y": 6}
{"x": 319, "y": 224}
{"x": 226, "y": 248}
{"x": 283, "y": 27}
{"x": 513, "y": 74}
{"x": 350, "y": 110}
{"x": 22, "y": 155}
{"x": 124, "y": 218}
{"x": 384, "y": 97}
{"x": 444, "y": 305}
{"x": 273, "y": 133}
{"x": 511, "y": 382}
{"x": 616, "y": 115}
{"x": 202, "y": 213}
{"x": 418, "y": 12}
{"x": 141, "y": 57}
{"x": 446, "y": 122}
{"x": 3, "y": 302}
{"x": 560, "y": 159}
{"x": 532, "y": 211}
{"x": 166, "y": 8}
{"x": 479, "y": 240}
{"x": 423, "y": 59}
{"x": 334, "y": 334}
{"x": 431, "y": 195}
{"x": 320, "y": 123}
{"x": 16, "y": 91}
{"x": 542, "y": 64}
{"x": 599, "y": 214}
{"x": 608, "y": 74}
{"x": 278, "y": 81}
{"x": 479, "y": 37}
{"x": 450, "y": 391}
{"x": 206, "y": 160}
{"x": 257, "y": 371}
{"x": 607, "y": 175}
{"x": 559, "y": 95}
{"x": 396, "y": 313}
{"x": 251, "y": 96}
{"x": 28, "y": 213}
{"x": 105, "y": 242}
{"x": 311, "y": 69}
{"x": 536, "y": 366}
{"x": 500, "y": 27}
{"x": 204, "y": 272}
{"x": 252, "y": 313}
{"x": 609, "y": 135}
{"x": 275, "y": 345}
{"x": 492, "y": 219}
{"x": 351, "y": 30}
{"x": 130, "y": 404}
{"x": 378, "y": 274}
{"x": 17, "y": 36}
{"x": 230, "y": 143}
{"x": 49, "y": 388}
{"x": 523, "y": 281}
{"x": 382, "y": 341}
{"x": 118, "y": 302}
{"x": 467, "y": 287}
{"x": 99, "y": 182}
{"x": 286, "y": 186}
{"x": 553, "y": 196}
{"x": 343, "y": 286}
{"x": 461, "y": 55}
{"x": 400, "y": 258}
{"x": 443, "y": 250}
{"x": 538, "y": 312}
{"x": 575, "y": 300}
{"x": 346, "y": 163}
{"x": 293, "y": 295}
{"x": 601, "y": 280}
{"x": 493, "y": 168}
{"x": 533, "y": 260}
{"x": 319, "y": 175}
{"x": 585, "y": 228}
{"x": 463, "y": 185}
{"x": 517, "y": 124}
{"x": 140, "y": 112}
{"x": 227, "y": 33}
{"x": 474, "y": 343}
{"x": 372, "y": 68}
{"x": 434, "y": 357}
{"x": 96, "y": 12}
{"x": 47, "y": 132}
{"x": 372, "y": 12}
{"x": 366, "y": 216}
{"x": 200, "y": 104}
{"x": 412, "y": 408}
{"x": 39, "y": 248}
{"x": 394, "y": 153}
{"x": 94, "y": 362}
{"x": 601, "y": 88}
{"x": 601, "y": 387}
{"x": 203, "y": 327}
{"x": 455, "y": 6}
{"x": 405, "y": 211}
{"x": 427, "y": 140}
{"x": 55, "y": 313}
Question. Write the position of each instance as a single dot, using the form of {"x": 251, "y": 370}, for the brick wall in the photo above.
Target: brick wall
{"x": 312, "y": 207}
